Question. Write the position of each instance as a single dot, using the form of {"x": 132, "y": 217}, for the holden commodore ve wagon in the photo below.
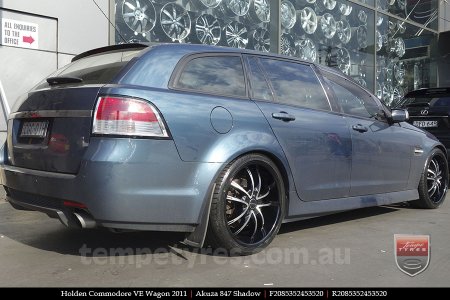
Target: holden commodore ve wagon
{"x": 220, "y": 143}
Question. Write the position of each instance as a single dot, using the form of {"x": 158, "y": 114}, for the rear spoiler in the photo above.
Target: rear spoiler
{"x": 112, "y": 48}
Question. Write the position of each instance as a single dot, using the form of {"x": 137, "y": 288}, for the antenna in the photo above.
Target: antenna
{"x": 115, "y": 28}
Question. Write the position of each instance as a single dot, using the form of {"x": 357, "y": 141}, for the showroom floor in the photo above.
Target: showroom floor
{"x": 348, "y": 249}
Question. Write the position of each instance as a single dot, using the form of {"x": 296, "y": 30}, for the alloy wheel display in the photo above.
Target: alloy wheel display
{"x": 287, "y": 45}
{"x": 343, "y": 31}
{"x": 328, "y": 25}
{"x": 306, "y": 50}
{"x": 288, "y": 14}
{"x": 345, "y": 8}
{"x": 208, "y": 30}
{"x": 361, "y": 36}
{"x": 209, "y": 3}
{"x": 175, "y": 21}
{"x": 261, "y": 40}
{"x": 378, "y": 41}
{"x": 308, "y": 20}
{"x": 343, "y": 60}
{"x": 236, "y": 35}
{"x": 140, "y": 16}
{"x": 399, "y": 72}
{"x": 261, "y": 10}
{"x": 238, "y": 7}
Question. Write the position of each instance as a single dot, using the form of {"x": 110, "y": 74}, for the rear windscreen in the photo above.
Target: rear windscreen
{"x": 431, "y": 101}
{"x": 97, "y": 69}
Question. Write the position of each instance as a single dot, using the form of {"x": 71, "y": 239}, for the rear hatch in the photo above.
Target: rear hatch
{"x": 429, "y": 112}
{"x": 51, "y": 126}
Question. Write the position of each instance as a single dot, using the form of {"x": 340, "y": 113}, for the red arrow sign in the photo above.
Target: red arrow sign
{"x": 28, "y": 39}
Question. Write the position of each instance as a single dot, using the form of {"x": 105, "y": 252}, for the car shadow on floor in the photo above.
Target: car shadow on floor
{"x": 104, "y": 243}
{"x": 334, "y": 218}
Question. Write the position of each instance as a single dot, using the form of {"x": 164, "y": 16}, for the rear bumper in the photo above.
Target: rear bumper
{"x": 124, "y": 183}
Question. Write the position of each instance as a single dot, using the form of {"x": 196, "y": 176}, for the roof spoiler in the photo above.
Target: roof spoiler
{"x": 109, "y": 49}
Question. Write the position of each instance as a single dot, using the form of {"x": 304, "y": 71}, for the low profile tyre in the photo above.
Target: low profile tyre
{"x": 247, "y": 206}
{"x": 434, "y": 181}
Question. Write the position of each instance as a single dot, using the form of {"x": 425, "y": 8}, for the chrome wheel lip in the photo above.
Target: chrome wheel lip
{"x": 208, "y": 29}
{"x": 253, "y": 203}
{"x": 175, "y": 21}
{"x": 437, "y": 179}
{"x": 138, "y": 17}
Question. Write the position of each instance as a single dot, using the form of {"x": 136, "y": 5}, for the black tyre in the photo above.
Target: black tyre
{"x": 433, "y": 184}
{"x": 247, "y": 206}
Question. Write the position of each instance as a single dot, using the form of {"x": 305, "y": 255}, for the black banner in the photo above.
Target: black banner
{"x": 202, "y": 293}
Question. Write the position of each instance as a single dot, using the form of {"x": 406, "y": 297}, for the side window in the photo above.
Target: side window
{"x": 221, "y": 75}
{"x": 352, "y": 99}
{"x": 260, "y": 87}
{"x": 295, "y": 84}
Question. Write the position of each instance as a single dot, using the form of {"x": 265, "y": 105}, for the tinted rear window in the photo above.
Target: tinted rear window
{"x": 442, "y": 101}
{"x": 221, "y": 75}
{"x": 97, "y": 69}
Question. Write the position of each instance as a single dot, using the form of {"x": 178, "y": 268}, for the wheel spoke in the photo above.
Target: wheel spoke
{"x": 243, "y": 226}
{"x": 240, "y": 188}
{"x": 237, "y": 200}
{"x": 259, "y": 183}
{"x": 256, "y": 224}
{"x": 238, "y": 217}
{"x": 252, "y": 180}
{"x": 268, "y": 204}
{"x": 433, "y": 190}
{"x": 258, "y": 209}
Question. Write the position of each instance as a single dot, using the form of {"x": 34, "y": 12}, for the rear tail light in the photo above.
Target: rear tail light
{"x": 127, "y": 116}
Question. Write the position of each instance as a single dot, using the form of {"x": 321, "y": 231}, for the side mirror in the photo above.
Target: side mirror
{"x": 399, "y": 115}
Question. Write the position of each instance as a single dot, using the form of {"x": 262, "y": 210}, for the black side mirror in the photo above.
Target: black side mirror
{"x": 399, "y": 115}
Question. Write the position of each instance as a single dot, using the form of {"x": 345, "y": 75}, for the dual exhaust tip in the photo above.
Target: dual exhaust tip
{"x": 76, "y": 219}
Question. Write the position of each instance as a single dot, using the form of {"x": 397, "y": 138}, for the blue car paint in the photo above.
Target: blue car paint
{"x": 166, "y": 184}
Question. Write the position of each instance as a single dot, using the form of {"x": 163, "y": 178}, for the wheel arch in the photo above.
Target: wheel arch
{"x": 197, "y": 238}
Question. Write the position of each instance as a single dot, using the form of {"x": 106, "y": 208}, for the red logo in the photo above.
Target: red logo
{"x": 412, "y": 253}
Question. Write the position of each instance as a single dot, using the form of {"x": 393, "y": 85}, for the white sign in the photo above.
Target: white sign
{"x": 20, "y": 34}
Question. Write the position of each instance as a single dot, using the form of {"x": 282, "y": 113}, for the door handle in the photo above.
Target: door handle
{"x": 360, "y": 128}
{"x": 283, "y": 116}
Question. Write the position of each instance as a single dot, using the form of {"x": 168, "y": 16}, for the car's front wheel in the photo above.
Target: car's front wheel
{"x": 247, "y": 206}
{"x": 434, "y": 181}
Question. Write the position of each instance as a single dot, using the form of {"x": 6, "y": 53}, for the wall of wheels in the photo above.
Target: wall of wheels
{"x": 388, "y": 46}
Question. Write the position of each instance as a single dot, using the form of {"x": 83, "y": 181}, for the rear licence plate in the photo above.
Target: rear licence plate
{"x": 36, "y": 129}
{"x": 425, "y": 124}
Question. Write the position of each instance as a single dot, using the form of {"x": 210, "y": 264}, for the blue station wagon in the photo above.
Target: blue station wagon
{"x": 223, "y": 144}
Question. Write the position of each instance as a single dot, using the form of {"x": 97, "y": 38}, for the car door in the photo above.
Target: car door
{"x": 381, "y": 156}
{"x": 316, "y": 141}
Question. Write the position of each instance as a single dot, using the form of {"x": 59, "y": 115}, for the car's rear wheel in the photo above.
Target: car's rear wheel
{"x": 247, "y": 206}
{"x": 434, "y": 181}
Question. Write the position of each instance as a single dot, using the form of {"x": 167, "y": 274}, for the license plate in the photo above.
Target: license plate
{"x": 34, "y": 129}
{"x": 425, "y": 124}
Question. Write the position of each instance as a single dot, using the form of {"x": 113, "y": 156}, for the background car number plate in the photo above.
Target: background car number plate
{"x": 37, "y": 129}
{"x": 425, "y": 123}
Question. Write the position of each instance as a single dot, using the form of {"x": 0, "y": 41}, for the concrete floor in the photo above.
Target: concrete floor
{"x": 351, "y": 249}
